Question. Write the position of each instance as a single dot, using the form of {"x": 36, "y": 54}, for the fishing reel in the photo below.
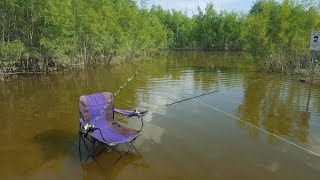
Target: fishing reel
{"x": 89, "y": 127}
{"x": 139, "y": 113}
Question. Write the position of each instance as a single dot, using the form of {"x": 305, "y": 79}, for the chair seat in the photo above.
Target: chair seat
{"x": 115, "y": 134}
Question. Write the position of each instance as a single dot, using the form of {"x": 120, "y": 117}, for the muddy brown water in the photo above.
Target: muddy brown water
{"x": 189, "y": 140}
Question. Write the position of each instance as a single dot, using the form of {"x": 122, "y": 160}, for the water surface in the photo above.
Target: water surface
{"x": 189, "y": 140}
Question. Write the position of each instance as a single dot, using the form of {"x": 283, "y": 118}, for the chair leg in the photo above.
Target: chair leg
{"x": 85, "y": 144}
{"x": 118, "y": 151}
{"x": 94, "y": 142}
{"x": 123, "y": 152}
{"x": 130, "y": 146}
{"x": 101, "y": 150}
{"x": 134, "y": 147}
{"x": 80, "y": 155}
{"x": 89, "y": 150}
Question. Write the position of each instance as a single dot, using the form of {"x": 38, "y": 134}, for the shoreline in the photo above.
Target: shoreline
{"x": 300, "y": 75}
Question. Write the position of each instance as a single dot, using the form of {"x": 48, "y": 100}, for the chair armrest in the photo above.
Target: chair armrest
{"x": 131, "y": 113}
{"x": 123, "y": 111}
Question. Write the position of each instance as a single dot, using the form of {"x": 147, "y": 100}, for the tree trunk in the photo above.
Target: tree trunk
{"x": 85, "y": 55}
{"x": 1, "y": 76}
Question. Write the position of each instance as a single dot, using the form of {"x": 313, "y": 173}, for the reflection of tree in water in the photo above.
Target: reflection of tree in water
{"x": 249, "y": 109}
{"x": 206, "y": 67}
{"x": 277, "y": 106}
{"x": 205, "y": 78}
{"x": 317, "y": 103}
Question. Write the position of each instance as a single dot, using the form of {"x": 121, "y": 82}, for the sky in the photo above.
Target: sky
{"x": 190, "y": 6}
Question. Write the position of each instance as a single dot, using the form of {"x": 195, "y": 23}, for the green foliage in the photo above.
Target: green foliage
{"x": 68, "y": 32}
{"x": 41, "y": 33}
{"x": 10, "y": 54}
{"x": 218, "y": 30}
{"x": 278, "y": 34}
{"x": 206, "y": 30}
{"x": 57, "y": 40}
{"x": 178, "y": 26}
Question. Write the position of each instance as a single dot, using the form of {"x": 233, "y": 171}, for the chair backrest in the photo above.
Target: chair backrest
{"x": 91, "y": 105}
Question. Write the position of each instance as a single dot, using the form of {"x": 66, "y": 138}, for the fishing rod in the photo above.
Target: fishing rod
{"x": 90, "y": 126}
{"x": 193, "y": 97}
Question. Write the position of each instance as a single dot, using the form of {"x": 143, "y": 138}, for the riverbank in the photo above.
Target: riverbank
{"x": 301, "y": 75}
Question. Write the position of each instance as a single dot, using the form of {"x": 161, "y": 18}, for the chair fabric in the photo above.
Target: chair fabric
{"x": 114, "y": 133}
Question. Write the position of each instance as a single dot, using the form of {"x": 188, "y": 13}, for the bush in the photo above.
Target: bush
{"x": 10, "y": 54}
{"x": 277, "y": 35}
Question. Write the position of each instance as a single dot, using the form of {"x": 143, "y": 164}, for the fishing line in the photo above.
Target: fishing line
{"x": 196, "y": 96}
{"x": 241, "y": 120}
{"x": 219, "y": 110}
{"x": 270, "y": 133}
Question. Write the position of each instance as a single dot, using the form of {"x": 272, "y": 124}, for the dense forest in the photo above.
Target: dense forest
{"x": 40, "y": 35}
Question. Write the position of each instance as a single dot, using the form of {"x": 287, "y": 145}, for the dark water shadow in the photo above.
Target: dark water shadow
{"x": 109, "y": 166}
{"x": 56, "y": 142}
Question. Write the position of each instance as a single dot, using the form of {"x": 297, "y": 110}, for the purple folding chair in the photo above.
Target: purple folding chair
{"x": 98, "y": 126}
